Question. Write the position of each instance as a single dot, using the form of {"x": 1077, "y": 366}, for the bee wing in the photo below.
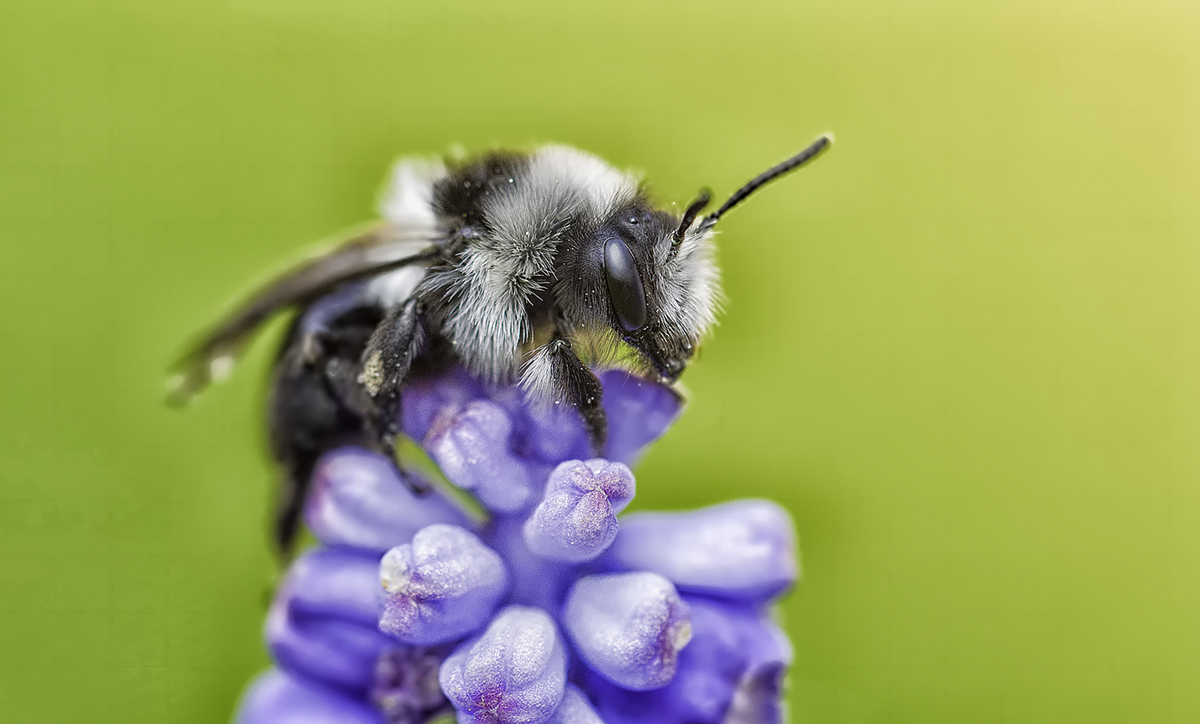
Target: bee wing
{"x": 373, "y": 252}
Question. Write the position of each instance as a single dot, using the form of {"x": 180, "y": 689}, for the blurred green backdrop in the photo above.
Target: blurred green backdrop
{"x": 962, "y": 348}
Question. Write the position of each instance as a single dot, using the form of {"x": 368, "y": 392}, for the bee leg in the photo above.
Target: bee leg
{"x": 308, "y": 417}
{"x": 289, "y": 504}
{"x": 311, "y": 407}
{"x": 385, "y": 363}
{"x": 579, "y": 386}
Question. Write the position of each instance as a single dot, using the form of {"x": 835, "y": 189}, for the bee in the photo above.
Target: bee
{"x": 527, "y": 268}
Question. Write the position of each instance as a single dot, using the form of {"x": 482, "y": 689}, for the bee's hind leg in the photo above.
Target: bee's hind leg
{"x": 309, "y": 414}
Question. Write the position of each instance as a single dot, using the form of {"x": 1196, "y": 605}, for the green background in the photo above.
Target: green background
{"x": 961, "y": 348}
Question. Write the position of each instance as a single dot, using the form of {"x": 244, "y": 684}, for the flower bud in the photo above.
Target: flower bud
{"x": 276, "y": 698}
{"x": 575, "y": 709}
{"x": 514, "y": 673}
{"x": 441, "y": 587}
{"x": 742, "y": 550}
{"x": 577, "y": 520}
{"x": 629, "y": 627}
{"x": 358, "y": 500}
{"x": 322, "y": 623}
{"x": 730, "y": 673}
{"x": 472, "y": 449}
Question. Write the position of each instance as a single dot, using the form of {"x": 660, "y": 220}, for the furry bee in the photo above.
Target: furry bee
{"x": 523, "y": 267}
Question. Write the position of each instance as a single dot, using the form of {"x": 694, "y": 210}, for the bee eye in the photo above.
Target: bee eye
{"x": 624, "y": 285}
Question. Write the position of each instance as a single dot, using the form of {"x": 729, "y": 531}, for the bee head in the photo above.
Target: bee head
{"x": 661, "y": 283}
{"x": 647, "y": 276}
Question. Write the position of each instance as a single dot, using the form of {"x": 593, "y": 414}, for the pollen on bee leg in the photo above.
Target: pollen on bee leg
{"x": 372, "y": 374}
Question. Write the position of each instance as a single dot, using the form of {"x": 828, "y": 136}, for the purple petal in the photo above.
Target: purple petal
{"x": 639, "y": 412}
{"x": 322, "y": 623}
{"x": 617, "y": 705}
{"x": 731, "y": 668}
{"x": 514, "y": 672}
{"x": 334, "y": 582}
{"x": 358, "y": 500}
{"x": 275, "y": 698}
{"x": 628, "y": 627}
{"x": 472, "y": 449}
{"x": 575, "y": 709}
{"x": 550, "y": 434}
{"x": 441, "y": 587}
{"x": 577, "y": 520}
{"x": 730, "y": 641}
{"x": 425, "y": 398}
{"x": 536, "y": 581}
{"x": 744, "y": 550}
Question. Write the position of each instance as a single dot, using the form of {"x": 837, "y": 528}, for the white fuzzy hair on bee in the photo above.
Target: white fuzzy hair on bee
{"x": 523, "y": 267}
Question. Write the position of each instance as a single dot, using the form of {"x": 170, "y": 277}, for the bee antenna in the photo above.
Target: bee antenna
{"x": 693, "y": 210}
{"x": 766, "y": 177}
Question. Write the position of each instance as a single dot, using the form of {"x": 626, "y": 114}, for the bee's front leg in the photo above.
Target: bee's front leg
{"x": 570, "y": 381}
{"x": 385, "y": 363}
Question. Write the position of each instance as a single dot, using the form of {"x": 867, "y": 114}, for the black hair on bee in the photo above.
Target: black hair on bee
{"x": 524, "y": 267}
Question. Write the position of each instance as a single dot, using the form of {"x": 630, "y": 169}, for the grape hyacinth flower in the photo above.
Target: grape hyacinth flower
{"x": 549, "y": 610}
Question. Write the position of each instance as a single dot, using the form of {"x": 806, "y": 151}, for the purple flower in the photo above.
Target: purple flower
{"x": 276, "y": 698}
{"x": 441, "y": 586}
{"x": 628, "y": 627}
{"x": 334, "y": 664}
{"x": 515, "y": 672}
{"x": 357, "y": 501}
{"x": 577, "y": 518}
{"x": 323, "y": 623}
{"x": 551, "y": 610}
{"x": 742, "y": 550}
{"x": 730, "y": 672}
{"x": 471, "y": 447}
